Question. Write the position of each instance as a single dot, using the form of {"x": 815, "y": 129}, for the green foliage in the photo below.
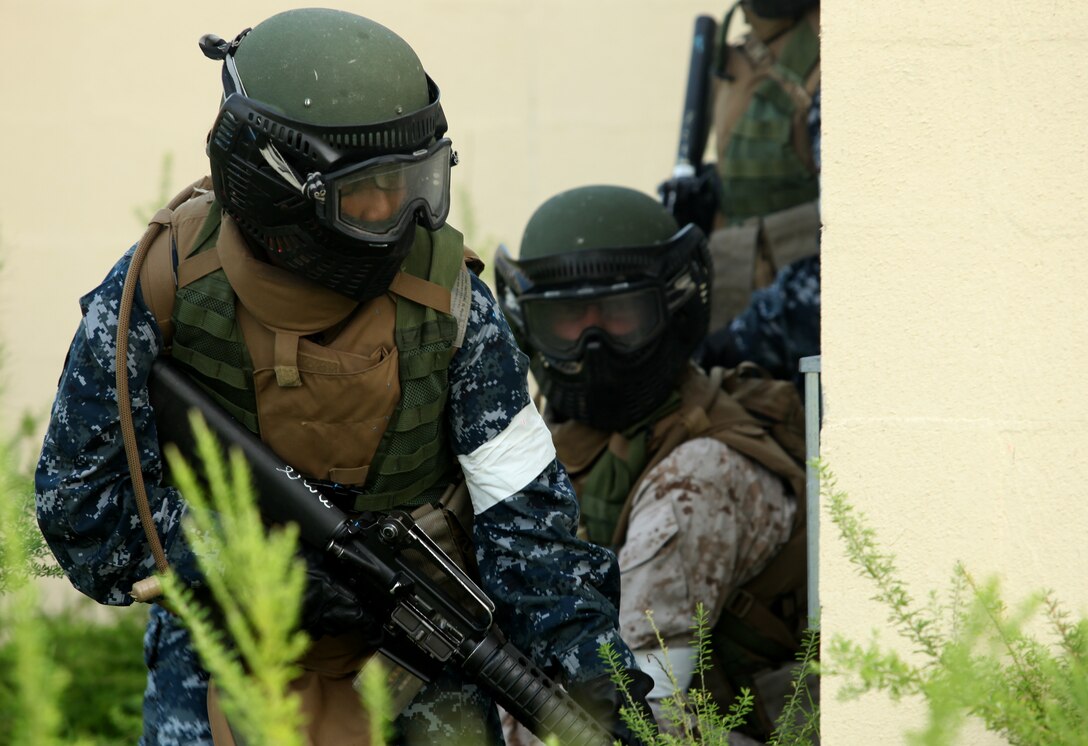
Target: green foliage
{"x": 375, "y": 696}
{"x": 17, "y": 487}
{"x": 799, "y": 722}
{"x": 33, "y": 694}
{"x": 972, "y": 656}
{"x": 695, "y": 718}
{"x": 101, "y": 670}
{"x": 257, "y": 579}
{"x": 63, "y": 678}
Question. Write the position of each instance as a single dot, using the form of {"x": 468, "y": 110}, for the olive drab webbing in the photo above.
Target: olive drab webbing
{"x": 762, "y": 99}
{"x": 207, "y": 339}
{"x": 415, "y": 452}
{"x": 762, "y": 95}
{"x": 249, "y": 359}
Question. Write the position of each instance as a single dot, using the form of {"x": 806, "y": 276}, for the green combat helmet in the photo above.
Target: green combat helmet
{"x": 609, "y": 298}
{"x": 780, "y": 8}
{"x": 328, "y": 149}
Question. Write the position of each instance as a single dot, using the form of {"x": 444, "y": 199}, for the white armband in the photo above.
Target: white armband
{"x": 505, "y": 464}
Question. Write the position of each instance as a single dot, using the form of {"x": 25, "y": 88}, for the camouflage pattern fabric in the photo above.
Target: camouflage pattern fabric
{"x": 780, "y": 326}
{"x": 706, "y": 520}
{"x": 556, "y": 596}
{"x": 176, "y": 698}
{"x": 781, "y": 323}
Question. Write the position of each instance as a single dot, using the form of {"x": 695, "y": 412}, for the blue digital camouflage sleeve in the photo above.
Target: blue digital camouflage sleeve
{"x": 780, "y": 326}
{"x": 85, "y": 502}
{"x": 556, "y": 595}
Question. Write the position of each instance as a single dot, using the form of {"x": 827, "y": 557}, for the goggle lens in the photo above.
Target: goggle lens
{"x": 558, "y": 325}
{"x": 373, "y": 198}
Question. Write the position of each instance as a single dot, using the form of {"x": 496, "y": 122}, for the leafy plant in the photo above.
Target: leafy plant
{"x": 972, "y": 656}
{"x": 101, "y": 669}
{"x": 252, "y": 644}
{"x": 64, "y": 677}
{"x": 799, "y": 722}
{"x": 32, "y": 690}
{"x": 694, "y": 718}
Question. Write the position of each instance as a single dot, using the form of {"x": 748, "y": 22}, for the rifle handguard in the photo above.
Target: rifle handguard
{"x": 521, "y": 687}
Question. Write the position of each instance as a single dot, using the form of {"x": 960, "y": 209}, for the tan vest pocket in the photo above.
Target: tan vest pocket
{"x": 324, "y": 409}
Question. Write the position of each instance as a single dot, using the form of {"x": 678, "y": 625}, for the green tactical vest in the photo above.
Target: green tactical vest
{"x": 761, "y": 169}
{"x": 414, "y": 458}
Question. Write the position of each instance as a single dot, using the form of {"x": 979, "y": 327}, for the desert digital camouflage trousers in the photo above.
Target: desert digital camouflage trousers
{"x": 706, "y": 520}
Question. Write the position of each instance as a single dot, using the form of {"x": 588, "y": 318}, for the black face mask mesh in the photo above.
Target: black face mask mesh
{"x": 610, "y": 391}
{"x": 281, "y": 221}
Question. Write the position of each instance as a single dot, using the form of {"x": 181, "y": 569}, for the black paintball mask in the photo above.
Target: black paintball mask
{"x": 609, "y": 330}
{"x": 338, "y": 205}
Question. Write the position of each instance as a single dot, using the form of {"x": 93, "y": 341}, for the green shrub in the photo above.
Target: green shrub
{"x": 257, "y": 579}
{"x": 103, "y": 675}
{"x": 694, "y": 718}
{"x": 972, "y": 656}
{"x": 63, "y": 678}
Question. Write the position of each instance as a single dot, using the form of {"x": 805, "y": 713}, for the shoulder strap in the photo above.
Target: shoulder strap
{"x": 157, "y": 278}
{"x": 143, "y": 590}
{"x": 158, "y": 272}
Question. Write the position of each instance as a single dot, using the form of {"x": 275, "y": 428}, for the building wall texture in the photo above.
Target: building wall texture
{"x": 955, "y": 175}
{"x": 954, "y": 311}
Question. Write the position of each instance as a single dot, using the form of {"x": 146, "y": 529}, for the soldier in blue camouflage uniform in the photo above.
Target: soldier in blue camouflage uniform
{"x": 780, "y": 326}
{"x": 556, "y": 595}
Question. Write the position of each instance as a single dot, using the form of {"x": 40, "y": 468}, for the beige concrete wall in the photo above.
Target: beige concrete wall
{"x": 955, "y": 313}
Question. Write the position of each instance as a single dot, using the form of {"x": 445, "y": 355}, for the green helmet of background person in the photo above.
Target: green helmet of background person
{"x": 609, "y": 297}
{"x": 595, "y": 217}
{"x": 318, "y": 106}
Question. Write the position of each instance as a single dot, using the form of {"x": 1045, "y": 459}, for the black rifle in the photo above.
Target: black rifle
{"x": 692, "y": 194}
{"x": 392, "y": 564}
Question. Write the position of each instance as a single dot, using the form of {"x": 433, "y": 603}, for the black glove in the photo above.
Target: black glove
{"x": 693, "y": 199}
{"x": 329, "y": 606}
{"x": 602, "y": 699}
